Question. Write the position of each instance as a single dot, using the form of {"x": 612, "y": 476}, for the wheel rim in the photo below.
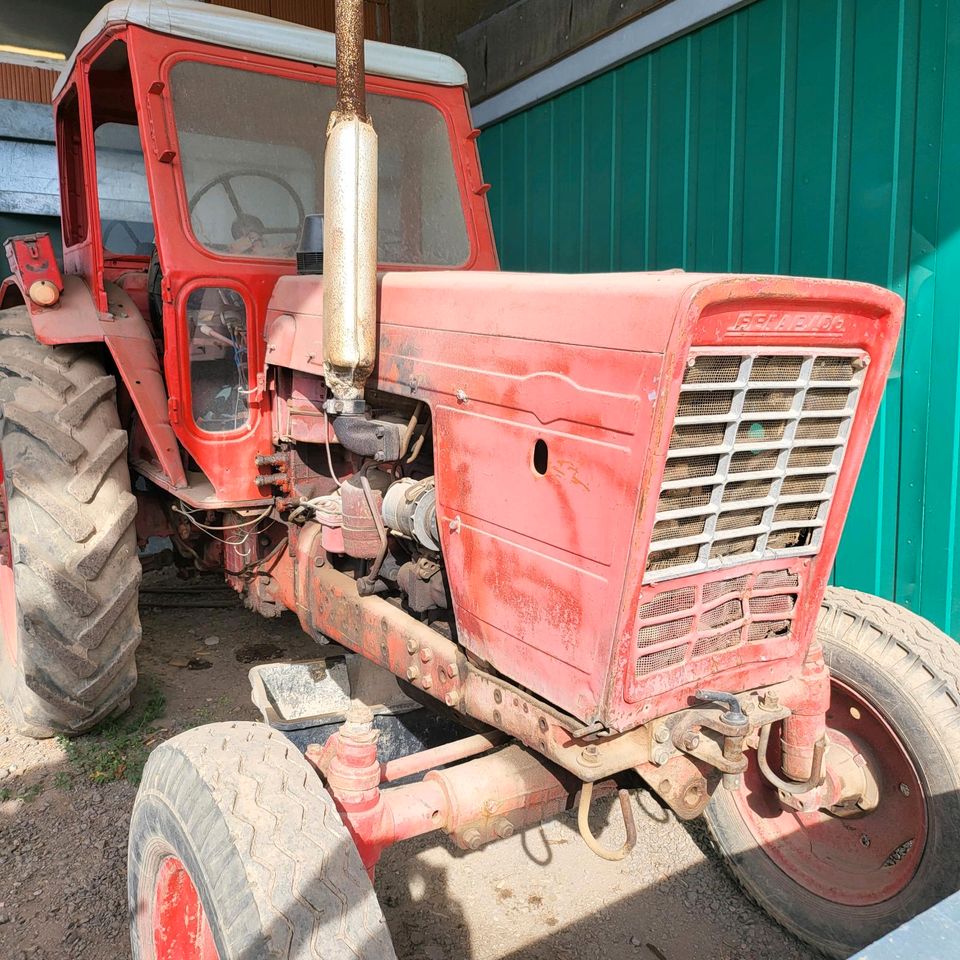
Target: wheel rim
{"x": 180, "y": 927}
{"x": 856, "y": 861}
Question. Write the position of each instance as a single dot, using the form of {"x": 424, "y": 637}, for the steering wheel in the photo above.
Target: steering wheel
{"x": 246, "y": 224}
{"x": 140, "y": 247}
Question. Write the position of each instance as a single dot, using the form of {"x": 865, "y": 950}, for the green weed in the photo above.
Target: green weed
{"x": 118, "y": 748}
{"x": 27, "y": 794}
{"x": 63, "y": 781}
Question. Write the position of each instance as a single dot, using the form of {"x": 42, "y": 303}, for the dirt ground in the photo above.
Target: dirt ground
{"x": 541, "y": 895}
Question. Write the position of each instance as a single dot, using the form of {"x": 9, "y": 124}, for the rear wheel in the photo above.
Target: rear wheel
{"x": 843, "y": 882}
{"x": 69, "y": 572}
{"x": 237, "y": 852}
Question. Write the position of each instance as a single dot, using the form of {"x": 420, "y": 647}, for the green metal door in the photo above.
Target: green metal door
{"x": 817, "y": 137}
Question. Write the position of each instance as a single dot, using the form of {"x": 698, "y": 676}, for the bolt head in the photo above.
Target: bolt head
{"x": 452, "y": 698}
{"x": 472, "y": 839}
{"x": 427, "y": 682}
{"x": 661, "y": 734}
{"x": 590, "y": 755}
{"x": 412, "y": 646}
{"x": 426, "y": 654}
{"x": 413, "y": 671}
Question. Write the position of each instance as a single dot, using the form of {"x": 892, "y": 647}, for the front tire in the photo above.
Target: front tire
{"x": 69, "y": 572}
{"x": 237, "y": 852}
{"x": 842, "y": 883}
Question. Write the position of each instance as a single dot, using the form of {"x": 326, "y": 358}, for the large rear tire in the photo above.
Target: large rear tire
{"x": 237, "y": 852}
{"x": 69, "y": 573}
{"x": 841, "y": 883}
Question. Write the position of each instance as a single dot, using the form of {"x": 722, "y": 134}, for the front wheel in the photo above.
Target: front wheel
{"x": 841, "y": 883}
{"x": 237, "y": 852}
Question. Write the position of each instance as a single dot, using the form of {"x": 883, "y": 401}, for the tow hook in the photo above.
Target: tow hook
{"x": 583, "y": 813}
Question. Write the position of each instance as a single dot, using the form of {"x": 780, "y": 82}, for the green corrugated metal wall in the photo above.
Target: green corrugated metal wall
{"x": 817, "y": 137}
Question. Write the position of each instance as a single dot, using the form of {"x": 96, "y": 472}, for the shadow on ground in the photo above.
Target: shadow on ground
{"x": 540, "y": 895}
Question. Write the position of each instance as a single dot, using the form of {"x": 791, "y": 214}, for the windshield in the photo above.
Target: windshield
{"x": 251, "y": 149}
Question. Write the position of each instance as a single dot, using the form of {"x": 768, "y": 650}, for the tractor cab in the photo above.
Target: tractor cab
{"x": 191, "y": 148}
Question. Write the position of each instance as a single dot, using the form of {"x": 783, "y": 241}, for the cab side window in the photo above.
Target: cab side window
{"x": 76, "y": 222}
{"x": 126, "y": 224}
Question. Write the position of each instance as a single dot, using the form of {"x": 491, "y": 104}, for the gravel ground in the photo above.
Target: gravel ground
{"x": 63, "y": 827}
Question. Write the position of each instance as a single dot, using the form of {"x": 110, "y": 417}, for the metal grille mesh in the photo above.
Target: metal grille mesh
{"x": 756, "y": 447}
{"x": 676, "y": 626}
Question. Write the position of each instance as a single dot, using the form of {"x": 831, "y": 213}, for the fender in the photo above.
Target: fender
{"x": 75, "y": 319}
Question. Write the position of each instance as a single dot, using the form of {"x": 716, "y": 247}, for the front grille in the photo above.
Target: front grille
{"x": 756, "y": 448}
{"x": 677, "y": 626}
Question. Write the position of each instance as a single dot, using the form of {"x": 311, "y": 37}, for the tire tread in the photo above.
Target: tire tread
{"x": 299, "y": 863}
{"x": 71, "y": 519}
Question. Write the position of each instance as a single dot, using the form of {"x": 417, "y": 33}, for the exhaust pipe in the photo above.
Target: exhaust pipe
{"x": 350, "y": 225}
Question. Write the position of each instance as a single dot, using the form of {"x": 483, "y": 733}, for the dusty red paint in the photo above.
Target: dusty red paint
{"x": 75, "y": 319}
{"x": 545, "y": 566}
{"x": 856, "y": 861}
{"x": 32, "y": 258}
{"x": 475, "y": 802}
{"x": 545, "y": 571}
{"x": 225, "y": 459}
{"x": 181, "y": 930}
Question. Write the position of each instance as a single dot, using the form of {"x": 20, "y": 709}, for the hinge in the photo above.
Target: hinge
{"x": 255, "y": 397}
{"x": 173, "y": 409}
{"x": 166, "y": 290}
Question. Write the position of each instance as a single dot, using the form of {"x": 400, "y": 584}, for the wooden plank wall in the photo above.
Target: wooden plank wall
{"x": 29, "y": 84}
{"x": 316, "y": 13}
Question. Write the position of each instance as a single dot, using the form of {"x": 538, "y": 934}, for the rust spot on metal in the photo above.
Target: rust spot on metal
{"x": 351, "y": 96}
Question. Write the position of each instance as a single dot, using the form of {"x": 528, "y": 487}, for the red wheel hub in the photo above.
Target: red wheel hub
{"x": 852, "y": 860}
{"x": 180, "y": 927}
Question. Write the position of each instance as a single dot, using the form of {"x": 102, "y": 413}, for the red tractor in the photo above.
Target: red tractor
{"x": 590, "y": 517}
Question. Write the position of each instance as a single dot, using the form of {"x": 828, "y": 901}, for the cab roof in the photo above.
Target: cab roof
{"x": 276, "y": 38}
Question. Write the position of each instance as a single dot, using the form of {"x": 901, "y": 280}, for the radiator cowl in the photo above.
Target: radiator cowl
{"x": 757, "y": 445}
